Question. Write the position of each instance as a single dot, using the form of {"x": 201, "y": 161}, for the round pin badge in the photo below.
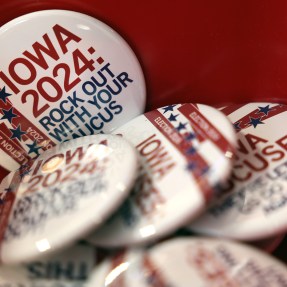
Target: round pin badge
{"x": 185, "y": 152}
{"x": 124, "y": 267}
{"x": 69, "y": 190}
{"x": 69, "y": 268}
{"x": 63, "y": 75}
{"x": 255, "y": 206}
{"x": 192, "y": 262}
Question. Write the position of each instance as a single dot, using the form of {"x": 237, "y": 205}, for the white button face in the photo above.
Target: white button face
{"x": 256, "y": 208}
{"x": 63, "y": 75}
{"x": 185, "y": 151}
{"x": 194, "y": 262}
{"x": 69, "y": 268}
{"x": 69, "y": 190}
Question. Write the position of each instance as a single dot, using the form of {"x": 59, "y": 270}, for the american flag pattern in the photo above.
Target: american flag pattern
{"x": 253, "y": 197}
{"x": 192, "y": 141}
{"x": 15, "y": 132}
{"x": 256, "y": 116}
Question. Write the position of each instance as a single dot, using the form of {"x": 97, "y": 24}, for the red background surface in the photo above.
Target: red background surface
{"x": 201, "y": 51}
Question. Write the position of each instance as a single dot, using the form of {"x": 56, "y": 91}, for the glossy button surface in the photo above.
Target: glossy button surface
{"x": 256, "y": 207}
{"x": 63, "y": 75}
{"x": 185, "y": 152}
{"x": 191, "y": 262}
{"x": 65, "y": 193}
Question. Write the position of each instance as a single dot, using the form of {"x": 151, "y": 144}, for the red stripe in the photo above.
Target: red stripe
{"x": 231, "y": 108}
{"x": 6, "y": 207}
{"x": 21, "y": 157}
{"x": 5, "y": 210}
{"x": 219, "y": 106}
{"x": 26, "y": 125}
{"x": 209, "y": 131}
{"x": 183, "y": 146}
{"x": 245, "y": 121}
{"x": 152, "y": 274}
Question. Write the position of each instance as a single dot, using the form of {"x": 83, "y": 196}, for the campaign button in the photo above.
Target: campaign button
{"x": 71, "y": 267}
{"x": 122, "y": 269}
{"x": 255, "y": 206}
{"x": 185, "y": 151}
{"x": 214, "y": 262}
{"x": 195, "y": 262}
{"x": 63, "y": 75}
{"x": 3, "y": 172}
{"x": 63, "y": 194}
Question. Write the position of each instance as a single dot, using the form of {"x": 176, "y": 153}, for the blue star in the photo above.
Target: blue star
{"x": 190, "y": 136}
{"x": 264, "y": 110}
{"x": 237, "y": 126}
{"x": 9, "y": 115}
{"x": 168, "y": 108}
{"x": 4, "y": 95}
{"x": 191, "y": 165}
{"x": 191, "y": 150}
{"x": 255, "y": 122}
{"x": 33, "y": 148}
{"x": 22, "y": 167}
{"x": 17, "y": 133}
{"x": 181, "y": 126}
{"x": 172, "y": 117}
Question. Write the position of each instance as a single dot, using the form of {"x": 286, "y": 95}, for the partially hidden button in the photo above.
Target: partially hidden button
{"x": 194, "y": 261}
{"x": 186, "y": 151}
{"x": 65, "y": 193}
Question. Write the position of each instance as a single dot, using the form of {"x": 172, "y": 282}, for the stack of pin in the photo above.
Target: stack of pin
{"x": 160, "y": 198}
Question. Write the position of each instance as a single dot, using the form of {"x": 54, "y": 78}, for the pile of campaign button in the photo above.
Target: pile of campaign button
{"x": 71, "y": 76}
{"x": 134, "y": 189}
{"x": 255, "y": 207}
{"x": 185, "y": 151}
{"x": 194, "y": 262}
{"x": 138, "y": 189}
{"x": 63, "y": 194}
